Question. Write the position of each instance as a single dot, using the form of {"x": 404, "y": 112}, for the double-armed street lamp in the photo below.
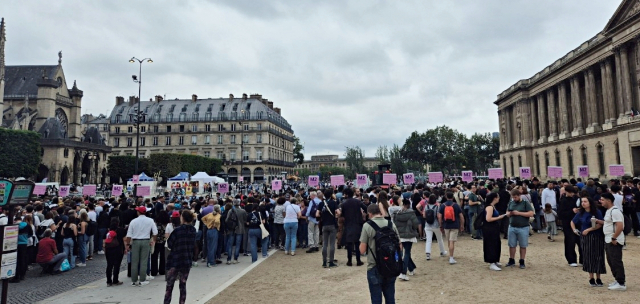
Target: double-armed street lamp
{"x": 139, "y": 117}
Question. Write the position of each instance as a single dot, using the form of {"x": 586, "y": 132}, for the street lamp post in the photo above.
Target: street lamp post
{"x": 241, "y": 145}
{"x": 139, "y": 116}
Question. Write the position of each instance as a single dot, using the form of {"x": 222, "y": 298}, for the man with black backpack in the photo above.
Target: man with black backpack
{"x": 384, "y": 263}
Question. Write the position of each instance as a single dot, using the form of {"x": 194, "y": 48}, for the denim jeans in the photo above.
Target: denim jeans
{"x": 212, "y": 245}
{"x": 102, "y": 232}
{"x": 231, "y": 240}
{"x": 290, "y": 229}
{"x": 82, "y": 248}
{"x": 67, "y": 245}
{"x": 265, "y": 245}
{"x": 407, "y": 262}
{"x": 255, "y": 236}
{"x": 379, "y": 286}
{"x": 303, "y": 233}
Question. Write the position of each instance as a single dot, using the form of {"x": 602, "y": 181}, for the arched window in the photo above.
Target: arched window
{"x": 504, "y": 165}
{"x": 583, "y": 153}
{"x": 511, "y": 163}
{"x": 546, "y": 160}
{"x": 538, "y": 164}
{"x": 617, "y": 145}
{"x": 570, "y": 159}
{"x": 260, "y": 115}
{"x": 558, "y": 163}
{"x": 600, "y": 149}
{"x": 519, "y": 161}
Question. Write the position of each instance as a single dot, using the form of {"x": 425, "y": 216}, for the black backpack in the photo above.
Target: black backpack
{"x": 254, "y": 220}
{"x": 92, "y": 227}
{"x": 430, "y": 214}
{"x": 388, "y": 255}
{"x": 314, "y": 207}
{"x": 479, "y": 222}
{"x": 232, "y": 221}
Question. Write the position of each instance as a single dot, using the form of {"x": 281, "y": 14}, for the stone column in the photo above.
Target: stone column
{"x": 606, "y": 108}
{"x": 625, "y": 110}
{"x": 533, "y": 121}
{"x": 553, "y": 121}
{"x": 564, "y": 131}
{"x": 542, "y": 120}
{"x": 592, "y": 108}
{"x": 576, "y": 107}
{"x": 526, "y": 123}
{"x": 609, "y": 95}
{"x": 619, "y": 88}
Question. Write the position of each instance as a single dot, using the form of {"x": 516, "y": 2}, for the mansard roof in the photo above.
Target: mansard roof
{"x": 22, "y": 79}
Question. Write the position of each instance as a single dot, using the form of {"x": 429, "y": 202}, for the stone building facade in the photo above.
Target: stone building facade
{"x": 248, "y": 134}
{"x": 36, "y": 98}
{"x": 318, "y": 161}
{"x": 580, "y": 110}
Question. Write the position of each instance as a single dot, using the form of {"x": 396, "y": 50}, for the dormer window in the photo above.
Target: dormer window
{"x": 182, "y": 117}
{"x": 235, "y": 107}
{"x": 197, "y": 108}
{"x": 222, "y": 106}
{"x": 248, "y": 106}
{"x": 173, "y": 107}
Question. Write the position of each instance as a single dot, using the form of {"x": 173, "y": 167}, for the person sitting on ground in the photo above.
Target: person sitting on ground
{"x": 48, "y": 253}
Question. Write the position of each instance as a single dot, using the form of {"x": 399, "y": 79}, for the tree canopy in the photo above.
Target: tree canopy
{"x": 20, "y": 153}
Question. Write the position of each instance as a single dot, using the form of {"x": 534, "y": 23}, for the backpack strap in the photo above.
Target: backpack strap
{"x": 373, "y": 225}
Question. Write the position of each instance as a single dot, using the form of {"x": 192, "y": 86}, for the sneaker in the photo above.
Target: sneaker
{"x": 443, "y": 254}
{"x": 135, "y": 284}
{"x": 117, "y": 283}
{"x": 495, "y": 267}
{"x": 612, "y": 283}
{"x": 573, "y": 265}
{"x": 548, "y": 237}
{"x": 332, "y": 265}
{"x": 624, "y": 248}
{"x": 109, "y": 284}
{"x": 411, "y": 273}
{"x": 286, "y": 252}
{"x": 522, "y": 264}
{"x": 324, "y": 265}
{"x": 194, "y": 264}
{"x": 228, "y": 262}
{"x": 81, "y": 264}
{"x": 428, "y": 256}
{"x": 403, "y": 277}
{"x": 498, "y": 264}
{"x": 309, "y": 251}
{"x": 235, "y": 261}
{"x": 617, "y": 286}
{"x": 349, "y": 263}
{"x": 144, "y": 283}
{"x": 245, "y": 254}
{"x": 452, "y": 260}
{"x": 150, "y": 277}
{"x": 293, "y": 253}
{"x": 208, "y": 265}
{"x": 511, "y": 263}
{"x": 592, "y": 282}
{"x": 599, "y": 283}
{"x": 101, "y": 252}
{"x": 359, "y": 263}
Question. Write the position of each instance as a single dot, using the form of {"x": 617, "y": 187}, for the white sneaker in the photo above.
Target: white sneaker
{"x": 452, "y": 261}
{"x": 498, "y": 264}
{"x": 81, "y": 264}
{"x": 617, "y": 286}
{"x": 135, "y": 284}
{"x": 443, "y": 254}
{"x": 101, "y": 252}
{"x": 403, "y": 277}
{"x": 411, "y": 273}
{"x": 150, "y": 277}
{"x": 428, "y": 256}
{"x": 144, "y": 283}
{"x": 573, "y": 265}
{"x": 624, "y": 248}
{"x": 495, "y": 267}
{"x": 286, "y": 252}
{"x": 613, "y": 283}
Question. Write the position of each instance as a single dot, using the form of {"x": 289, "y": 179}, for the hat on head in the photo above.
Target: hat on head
{"x": 141, "y": 209}
{"x": 175, "y": 214}
{"x": 177, "y": 206}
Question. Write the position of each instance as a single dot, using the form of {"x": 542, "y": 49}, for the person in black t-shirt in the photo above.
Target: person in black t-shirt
{"x": 328, "y": 211}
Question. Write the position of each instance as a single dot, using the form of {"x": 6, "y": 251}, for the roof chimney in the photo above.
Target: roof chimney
{"x": 256, "y": 96}
{"x": 244, "y": 96}
{"x": 194, "y": 97}
{"x": 270, "y": 104}
{"x": 133, "y": 100}
{"x": 277, "y": 110}
{"x": 230, "y": 97}
{"x": 158, "y": 98}
{"x": 119, "y": 100}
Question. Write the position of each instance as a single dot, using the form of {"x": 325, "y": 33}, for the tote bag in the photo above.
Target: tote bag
{"x": 265, "y": 233}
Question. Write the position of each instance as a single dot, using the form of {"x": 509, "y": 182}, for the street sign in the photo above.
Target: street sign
{"x": 22, "y": 191}
{"x": 5, "y": 191}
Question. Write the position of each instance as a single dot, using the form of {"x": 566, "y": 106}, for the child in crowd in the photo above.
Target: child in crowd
{"x": 550, "y": 217}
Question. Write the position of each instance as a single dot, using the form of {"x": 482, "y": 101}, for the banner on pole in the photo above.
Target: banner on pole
{"x": 361, "y": 179}
{"x": 408, "y": 178}
{"x": 496, "y": 173}
{"x": 435, "y": 177}
{"x": 525, "y": 172}
{"x": 389, "y": 178}
{"x": 467, "y": 176}
{"x": 314, "y": 180}
{"x": 337, "y": 180}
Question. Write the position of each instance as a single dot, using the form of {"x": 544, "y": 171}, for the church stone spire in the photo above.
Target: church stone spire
{"x": 3, "y": 38}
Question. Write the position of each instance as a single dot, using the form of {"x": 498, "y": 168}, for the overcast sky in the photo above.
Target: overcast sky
{"x": 345, "y": 73}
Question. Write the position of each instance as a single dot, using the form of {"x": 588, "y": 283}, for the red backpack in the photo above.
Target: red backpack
{"x": 449, "y": 213}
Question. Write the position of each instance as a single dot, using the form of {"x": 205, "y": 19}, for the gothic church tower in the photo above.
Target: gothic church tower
{"x": 2, "y": 40}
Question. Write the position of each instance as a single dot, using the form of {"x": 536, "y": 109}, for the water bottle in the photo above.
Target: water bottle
{"x": 593, "y": 222}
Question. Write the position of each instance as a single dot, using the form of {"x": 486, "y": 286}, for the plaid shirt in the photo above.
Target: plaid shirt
{"x": 181, "y": 242}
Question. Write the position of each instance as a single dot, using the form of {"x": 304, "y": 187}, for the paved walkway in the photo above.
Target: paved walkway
{"x": 203, "y": 284}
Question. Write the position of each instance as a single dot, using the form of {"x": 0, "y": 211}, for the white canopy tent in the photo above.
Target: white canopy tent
{"x": 203, "y": 177}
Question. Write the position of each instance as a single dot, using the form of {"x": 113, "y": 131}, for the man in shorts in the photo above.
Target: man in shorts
{"x": 450, "y": 225}
{"x": 519, "y": 211}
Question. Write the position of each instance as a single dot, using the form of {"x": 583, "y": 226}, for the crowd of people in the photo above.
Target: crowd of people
{"x": 167, "y": 235}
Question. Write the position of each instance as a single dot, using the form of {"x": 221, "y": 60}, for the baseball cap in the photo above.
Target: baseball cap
{"x": 175, "y": 214}
{"x": 141, "y": 209}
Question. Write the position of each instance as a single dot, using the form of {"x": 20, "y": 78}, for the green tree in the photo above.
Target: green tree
{"x": 19, "y": 153}
{"x": 326, "y": 172}
{"x": 298, "y": 156}
{"x": 382, "y": 155}
{"x": 354, "y": 157}
{"x": 442, "y": 148}
{"x": 123, "y": 167}
{"x": 398, "y": 164}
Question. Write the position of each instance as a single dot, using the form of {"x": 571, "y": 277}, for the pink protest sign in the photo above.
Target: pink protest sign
{"x": 64, "y": 191}
{"x": 116, "y": 190}
{"x": 616, "y": 170}
{"x": 89, "y": 190}
{"x": 144, "y": 191}
{"x": 276, "y": 185}
{"x": 435, "y": 177}
{"x": 583, "y": 171}
{"x": 554, "y": 171}
{"x": 467, "y": 176}
{"x": 223, "y": 187}
{"x": 135, "y": 179}
{"x": 39, "y": 189}
{"x": 525, "y": 172}
{"x": 314, "y": 180}
{"x": 361, "y": 179}
{"x": 337, "y": 180}
{"x": 408, "y": 178}
{"x": 389, "y": 178}
{"x": 495, "y": 173}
